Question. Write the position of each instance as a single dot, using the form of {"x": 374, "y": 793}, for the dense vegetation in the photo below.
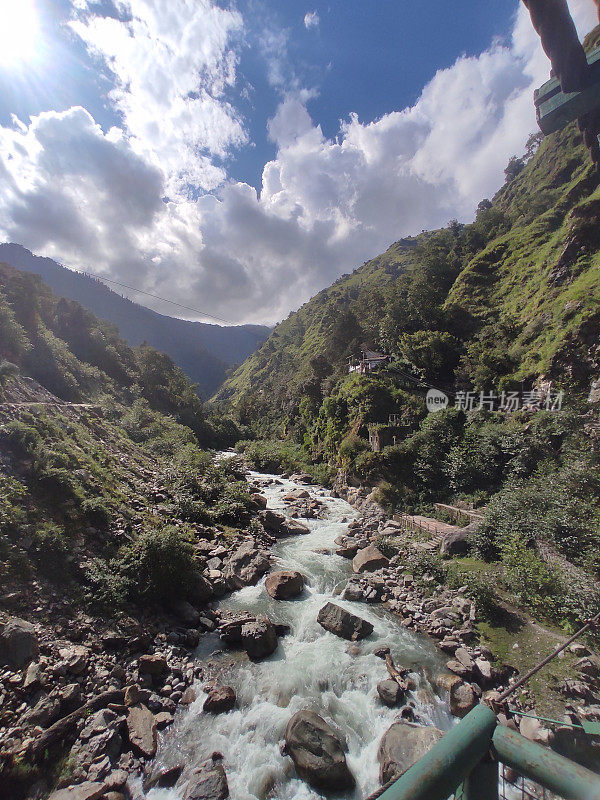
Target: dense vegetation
{"x": 508, "y": 303}
{"x": 105, "y": 478}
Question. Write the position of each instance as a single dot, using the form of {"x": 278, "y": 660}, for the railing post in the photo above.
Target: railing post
{"x": 482, "y": 783}
{"x": 542, "y": 765}
{"x": 449, "y": 762}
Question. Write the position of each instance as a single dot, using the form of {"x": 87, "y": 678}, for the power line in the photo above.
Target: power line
{"x": 156, "y": 296}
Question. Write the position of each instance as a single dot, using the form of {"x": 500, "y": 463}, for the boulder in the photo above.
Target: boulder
{"x": 88, "y": 790}
{"x": 200, "y": 590}
{"x": 142, "y": 730}
{"x": 294, "y": 528}
{"x": 369, "y": 559}
{"x": 336, "y": 619}
{"x": 246, "y": 566}
{"x": 390, "y": 693}
{"x": 462, "y": 699}
{"x": 533, "y": 730}
{"x": 33, "y": 678}
{"x": 75, "y": 658}
{"x": 284, "y": 584}
{"x": 45, "y": 712}
{"x": 208, "y": 782}
{"x": 162, "y": 777}
{"x": 317, "y": 752}
{"x": 456, "y": 543}
{"x": 402, "y": 745}
{"x": 220, "y": 698}
{"x": 154, "y": 665}
{"x": 259, "y": 638}
{"x": 348, "y": 548}
{"x": 18, "y": 643}
{"x": 272, "y": 521}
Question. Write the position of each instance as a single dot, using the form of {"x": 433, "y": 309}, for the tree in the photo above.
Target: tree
{"x": 514, "y": 167}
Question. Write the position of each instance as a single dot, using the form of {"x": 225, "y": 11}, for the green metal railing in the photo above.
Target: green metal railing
{"x": 465, "y": 763}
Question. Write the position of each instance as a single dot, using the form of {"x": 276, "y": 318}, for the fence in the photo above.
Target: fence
{"x": 465, "y": 763}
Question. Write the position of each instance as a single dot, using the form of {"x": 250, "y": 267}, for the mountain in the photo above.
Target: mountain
{"x": 203, "y": 351}
{"x": 503, "y": 301}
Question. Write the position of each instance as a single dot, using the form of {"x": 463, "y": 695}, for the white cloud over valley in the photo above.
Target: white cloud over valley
{"x": 150, "y": 201}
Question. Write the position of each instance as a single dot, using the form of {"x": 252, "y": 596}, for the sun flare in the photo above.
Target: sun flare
{"x": 18, "y": 31}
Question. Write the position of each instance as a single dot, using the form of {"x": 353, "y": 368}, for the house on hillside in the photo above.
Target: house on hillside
{"x": 369, "y": 360}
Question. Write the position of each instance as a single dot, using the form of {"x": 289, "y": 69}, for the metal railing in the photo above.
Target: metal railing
{"x": 465, "y": 764}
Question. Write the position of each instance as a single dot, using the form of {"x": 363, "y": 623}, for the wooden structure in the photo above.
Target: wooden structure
{"x": 457, "y": 512}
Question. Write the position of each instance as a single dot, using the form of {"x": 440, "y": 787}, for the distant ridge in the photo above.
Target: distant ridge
{"x": 203, "y": 351}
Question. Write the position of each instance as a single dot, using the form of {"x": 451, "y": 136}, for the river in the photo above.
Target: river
{"x": 310, "y": 669}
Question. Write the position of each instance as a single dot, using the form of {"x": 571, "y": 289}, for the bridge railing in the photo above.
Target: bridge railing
{"x": 464, "y": 763}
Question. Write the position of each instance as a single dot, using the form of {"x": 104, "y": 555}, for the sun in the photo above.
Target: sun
{"x": 19, "y": 27}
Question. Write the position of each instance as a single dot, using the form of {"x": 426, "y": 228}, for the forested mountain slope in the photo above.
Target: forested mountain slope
{"x": 203, "y": 351}
{"x": 509, "y": 298}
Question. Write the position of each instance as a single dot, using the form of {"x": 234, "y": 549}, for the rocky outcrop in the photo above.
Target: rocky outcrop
{"x": 458, "y": 542}
{"x": 401, "y": 746}
{"x": 337, "y": 620}
{"x": 279, "y": 525}
{"x": 18, "y": 643}
{"x": 284, "y": 584}
{"x": 369, "y": 559}
{"x": 317, "y": 752}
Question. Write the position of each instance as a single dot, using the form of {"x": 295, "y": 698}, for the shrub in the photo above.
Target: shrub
{"x": 159, "y": 564}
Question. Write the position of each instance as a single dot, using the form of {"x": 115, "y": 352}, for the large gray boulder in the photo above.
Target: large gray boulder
{"x": 88, "y": 790}
{"x": 246, "y": 566}
{"x": 336, "y": 619}
{"x": 402, "y": 745}
{"x": 259, "y": 638}
{"x": 369, "y": 559}
{"x": 220, "y": 699}
{"x": 458, "y": 542}
{"x": 462, "y": 699}
{"x": 390, "y": 693}
{"x": 18, "y": 643}
{"x": 142, "y": 731}
{"x": 317, "y": 752}
{"x": 279, "y": 525}
{"x": 208, "y": 782}
{"x": 284, "y": 584}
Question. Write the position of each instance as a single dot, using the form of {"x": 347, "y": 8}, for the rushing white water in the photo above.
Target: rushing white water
{"x": 310, "y": 669}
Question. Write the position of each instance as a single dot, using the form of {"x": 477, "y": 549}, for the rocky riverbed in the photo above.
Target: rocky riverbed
{"x": 339, "y": 645}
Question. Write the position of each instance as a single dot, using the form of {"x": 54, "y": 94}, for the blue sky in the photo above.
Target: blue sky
{"x": 240, "y": 156}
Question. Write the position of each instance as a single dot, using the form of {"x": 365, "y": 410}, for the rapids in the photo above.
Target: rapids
{"x": 310, "y": 669}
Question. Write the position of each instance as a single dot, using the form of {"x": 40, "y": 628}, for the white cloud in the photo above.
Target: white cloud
{"x": 95, "y": 199}
{"x": 311, "y": 19}
{"x": 172, "y": 63}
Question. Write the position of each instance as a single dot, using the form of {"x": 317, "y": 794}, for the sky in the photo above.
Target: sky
{"x": 237, "y": 157}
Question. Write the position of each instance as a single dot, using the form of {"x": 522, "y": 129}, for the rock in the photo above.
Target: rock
{"x": 142, "y": 730}
{"x": 163, "y": 719}
{"x": 163, "y": 777}
{"x": 259, "y": 638}
{"x": 447, "y": 680}
{"x": 76, "y": 658}
{"x": 200, "y": 590}
{"x": 88, "y": 790}
{"x": 133, "y": 695}
{"x": 220, "y": 698}
{"x": 294, "y": 528}
{"x": 272, "y": 521}
{"x": 317, "y": 752}
{"x": 533, "y": 730}
{"x": 402, "y": 745}
{"x": 484, "y": 667}
{"x": 259, "y": 500}
{"x": 154, "y": 665}
{"x": 457, "y": 543}
{"x": 187, "y": 613}
{"x": 208, "y": 782}
{"x": 70, "y": 697}
{"x": 463, "y": 655}
{"x": 369, "y": 559}
{"x": 337, "y": 620}
{"x": 462, "y": 699}
{"x": 18, "y": 643}
{"x": 587, "y": 666}
{"x": 45, "y": 712}
{"x": 246, "y": 566}
{"x": 189, "y": 696}
{"x": 284, "y": 584}
{"x": 33, "y": 678}
{"x": 390, "y": 693}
